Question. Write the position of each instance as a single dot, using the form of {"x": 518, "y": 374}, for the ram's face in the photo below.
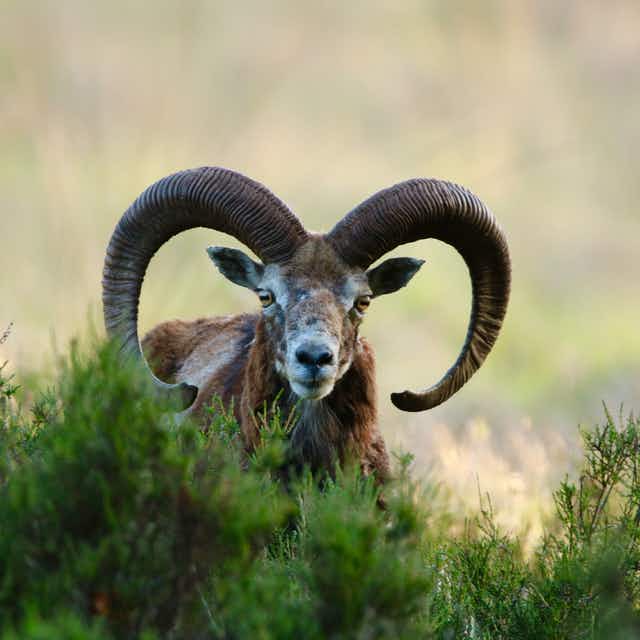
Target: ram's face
{"x": 313, "y": 306}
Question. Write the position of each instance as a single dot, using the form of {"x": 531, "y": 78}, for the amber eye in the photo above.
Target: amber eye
{"x": 362, "y": 303}
{"x": 266, "y": 298}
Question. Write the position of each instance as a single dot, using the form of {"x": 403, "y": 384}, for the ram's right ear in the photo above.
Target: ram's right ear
{"x": 236, "y": 266}
{"x": 392, "y": 274}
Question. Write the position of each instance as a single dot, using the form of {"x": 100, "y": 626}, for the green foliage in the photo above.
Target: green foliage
{"x": 117, "y": 522}
{"x": 364, "y": 580}
{"x": 274, "y": 431}
{"x": 120, "y": 515}
{"x": 591, "y": 562}
{"x": 65, "y": 625}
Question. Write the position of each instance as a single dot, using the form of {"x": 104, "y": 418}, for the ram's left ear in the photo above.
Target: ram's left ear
{"x": 392, "y": 274}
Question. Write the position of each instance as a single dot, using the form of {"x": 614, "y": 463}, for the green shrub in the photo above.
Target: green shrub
{"x": 117, "y": 514}
{"x": 117, "y": 522}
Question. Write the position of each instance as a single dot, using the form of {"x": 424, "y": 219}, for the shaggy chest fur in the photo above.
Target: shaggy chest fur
{"x": 327, "y": 432}
{"x": 315, "y": 437}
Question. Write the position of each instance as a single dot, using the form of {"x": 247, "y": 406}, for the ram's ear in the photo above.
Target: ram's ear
{"x": 236, "y": 266}
{"x": 392, "y": 274}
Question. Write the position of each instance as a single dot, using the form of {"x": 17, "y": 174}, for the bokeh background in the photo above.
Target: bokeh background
{"x": 533, "y": 105}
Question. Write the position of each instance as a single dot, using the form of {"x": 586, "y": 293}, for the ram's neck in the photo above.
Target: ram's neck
{"x": 334, "y": 428}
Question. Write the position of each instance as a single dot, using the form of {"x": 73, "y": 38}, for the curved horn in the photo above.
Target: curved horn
{"x": 209, "y": 197}
{"x": 428, "y": 208}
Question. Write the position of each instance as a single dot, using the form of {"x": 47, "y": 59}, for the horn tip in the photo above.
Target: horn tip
{"x": 413, "y": 402}
{"x": 405, "y": 401}
{"x": 188, "y": 393}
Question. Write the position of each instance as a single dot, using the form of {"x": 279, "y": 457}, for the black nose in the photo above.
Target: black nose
{"x": 314, "y": 355}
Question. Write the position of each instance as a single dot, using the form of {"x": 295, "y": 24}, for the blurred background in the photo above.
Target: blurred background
{"x": 532, "y": 105}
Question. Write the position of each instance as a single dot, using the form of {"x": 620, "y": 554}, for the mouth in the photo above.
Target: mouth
{"x": 312, "y": 389}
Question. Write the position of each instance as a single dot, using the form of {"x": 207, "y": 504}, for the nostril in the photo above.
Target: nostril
{"x": 310, "y": 356}
{"x": 326, "y": 357}
{"x": 304, "y": 357}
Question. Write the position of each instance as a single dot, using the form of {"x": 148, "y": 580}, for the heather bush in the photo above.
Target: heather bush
{"x": 119, "y": 521}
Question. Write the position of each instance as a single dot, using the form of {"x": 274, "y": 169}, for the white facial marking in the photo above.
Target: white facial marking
{"x": 355, "y": 285}
{"x": 272, "y": 281}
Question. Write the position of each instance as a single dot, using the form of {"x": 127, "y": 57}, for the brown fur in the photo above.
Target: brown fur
{"x": 241, "y": 358}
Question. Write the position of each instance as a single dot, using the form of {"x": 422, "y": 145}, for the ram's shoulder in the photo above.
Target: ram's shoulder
{"x": 168, "y": 346}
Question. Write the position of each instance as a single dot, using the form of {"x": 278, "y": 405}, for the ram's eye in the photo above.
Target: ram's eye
{"x": 362, "y": 303}
{"x": 266, "y": 298}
